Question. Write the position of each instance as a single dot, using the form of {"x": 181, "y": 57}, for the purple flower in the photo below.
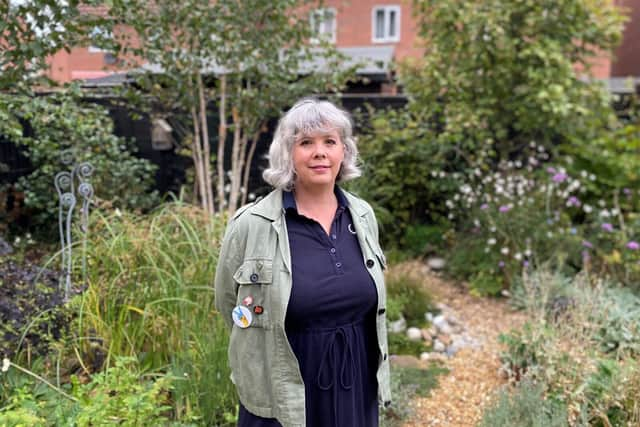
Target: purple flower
{"x": 551, "y": 169}
{"x": 504, "y": 208}
{"x": 573, "y": 231}
{"x": 587, "y": 244}
{"x": 607, "y": 227}
{"x": 573, "y": 201}
{"x": 484, "y": 206}
{"x": 633, "y": 245}
{"x": 586, "y": 256}
{"x": 501, "y": 264}
{"x": 525, "y": 263}
{"x": 559, "y": 177}
{"x": 626, "y": 191}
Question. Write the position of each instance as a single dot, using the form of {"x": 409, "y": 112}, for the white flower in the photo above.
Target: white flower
{"x": 504, "y": 251}
{"x": 587, "y": 208}
{"x": 549, "y": 234}
{"x": 605, "y": 213}
{"x": 434, "y": 174}
{"x": 491, "y": 241}
{"x": 492, "y": 229}
{"x": 592, "y": 177}
{"x": 16, "y": 241}
{"x": 614, "y": 212}
{"x": 476, "y": 223}
{"x": 518, "y": 256}
{"x": 602, "y": 203}
{"x": 118, "y": 213}
{"x": 465, "y": 189}
{"x": 441, "y": 174}
{"x": 527, "y": 252}
{"x": 583, "y": 173}
{"x": 6, "y": 363}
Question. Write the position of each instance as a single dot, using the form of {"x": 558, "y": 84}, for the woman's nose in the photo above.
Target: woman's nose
{"x": 319, "y": 150}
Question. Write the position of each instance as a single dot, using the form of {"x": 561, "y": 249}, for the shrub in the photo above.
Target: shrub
{"x": 525, "y": 406}
{"x": 46, "y": 127}
{"x": 409, "y": 293}
{"x": 399, "y": 343}
{"x": 582, "y": 351}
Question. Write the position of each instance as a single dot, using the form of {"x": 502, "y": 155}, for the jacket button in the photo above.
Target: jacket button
{"x": 253, "y": 278}
{"x": 370, "y": 263}
{"x": 381, "y": 311}
{"x": 384, "y": 357}
{"x": 387, "y": 403}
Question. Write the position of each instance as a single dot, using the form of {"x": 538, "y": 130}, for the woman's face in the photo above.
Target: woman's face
{"x": 317, "y": 159}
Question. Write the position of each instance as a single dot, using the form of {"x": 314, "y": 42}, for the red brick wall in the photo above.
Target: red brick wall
{"x": 354, "y": 25}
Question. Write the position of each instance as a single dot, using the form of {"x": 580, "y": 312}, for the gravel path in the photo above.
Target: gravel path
{"x": 462, "y": 394}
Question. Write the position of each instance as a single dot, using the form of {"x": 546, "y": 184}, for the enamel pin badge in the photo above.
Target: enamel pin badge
{"x": 242, "y": 317}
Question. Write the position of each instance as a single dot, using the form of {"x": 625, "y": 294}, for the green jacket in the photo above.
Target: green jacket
{"x": 255, "y": 260}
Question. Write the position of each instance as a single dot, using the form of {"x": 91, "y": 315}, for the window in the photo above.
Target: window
{"x": 386, "y": 24}
{"x": 323, "y": 25}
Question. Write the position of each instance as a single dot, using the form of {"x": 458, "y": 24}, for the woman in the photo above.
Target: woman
{"x": 300, "y": 283}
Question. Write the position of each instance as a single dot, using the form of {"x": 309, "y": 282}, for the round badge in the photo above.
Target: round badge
{"x": 248, "y": 300}
{"x": 241, "y": 316}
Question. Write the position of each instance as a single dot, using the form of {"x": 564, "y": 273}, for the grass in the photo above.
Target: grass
{"x": 149, "y": 298}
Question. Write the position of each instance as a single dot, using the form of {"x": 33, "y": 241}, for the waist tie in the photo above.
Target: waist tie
{"x": 332, "y": 359}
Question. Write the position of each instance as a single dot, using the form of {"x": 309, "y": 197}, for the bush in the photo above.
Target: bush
{"x": 46, "y": 127}
{"x": 409, "y": 297}
{"x": 581, "y": 345}
{"x": 525, "y": 407}
{"x": 33, "y": 315}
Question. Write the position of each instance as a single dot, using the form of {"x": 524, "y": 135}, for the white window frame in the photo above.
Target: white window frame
{"x": 387, "y": 9}
{"x": 321, "y": 35}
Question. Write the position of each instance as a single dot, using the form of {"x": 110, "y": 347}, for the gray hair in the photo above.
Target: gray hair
{"x": 306, "y": 117}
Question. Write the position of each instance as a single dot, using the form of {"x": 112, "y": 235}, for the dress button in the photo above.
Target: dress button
{"x": 333, "y": 236}
{"x": 333, "y": 250}
{"x": 338, "y": 264}
{"x": 370, "y": 263}
{"x": 253, "y": 278}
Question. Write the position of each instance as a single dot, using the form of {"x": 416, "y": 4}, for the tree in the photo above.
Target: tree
{"x": 502, "y": 73}
{"x": 249, "y": 57}
{"x": 31, "y": 31}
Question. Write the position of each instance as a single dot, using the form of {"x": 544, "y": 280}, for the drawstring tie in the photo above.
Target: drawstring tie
{"x": 345, "y": 366}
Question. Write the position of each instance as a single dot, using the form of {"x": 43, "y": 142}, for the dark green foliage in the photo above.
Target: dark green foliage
{"x": 409, "y": 293}
{"x": 525, "y": 406}
{"x": 400, "y": 344}
{"x": 399, "y": 154}
{"x": 32, "y": 314}
{"x": 61, "y": 122}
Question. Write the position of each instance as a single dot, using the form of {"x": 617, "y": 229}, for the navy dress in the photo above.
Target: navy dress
{"x": 330, "y": 322}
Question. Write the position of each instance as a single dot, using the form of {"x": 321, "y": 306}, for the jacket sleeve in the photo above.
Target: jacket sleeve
{"x": 229, "y": 260}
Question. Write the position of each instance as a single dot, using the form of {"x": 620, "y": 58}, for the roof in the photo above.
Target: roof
{"x": 623, "y": 85}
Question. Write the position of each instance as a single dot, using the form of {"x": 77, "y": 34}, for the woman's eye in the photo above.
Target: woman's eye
{"x": 305, "y": 142}
{"x": 331, "y": 141}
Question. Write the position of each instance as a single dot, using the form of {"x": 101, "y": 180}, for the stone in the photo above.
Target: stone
{"x": 428, "y": 317}
{"x": 445, "y": 339}
{"x": 443, "y": 326}
{"x": 414, "y": 334}
{"x": 426, "y": 335}
{"x": 438, "y": 346}
{"x": 432, "y": 357}
{"x": 398, "y": 326}
{"x": 436, "y": 263}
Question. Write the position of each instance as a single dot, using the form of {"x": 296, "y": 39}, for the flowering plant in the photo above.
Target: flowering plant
{"x": 530, "y": 213}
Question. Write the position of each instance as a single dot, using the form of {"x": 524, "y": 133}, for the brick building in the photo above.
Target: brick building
{"x": 380, "y": 30}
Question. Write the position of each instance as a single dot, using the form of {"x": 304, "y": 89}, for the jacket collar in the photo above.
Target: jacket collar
{"x": 271, "y": 206}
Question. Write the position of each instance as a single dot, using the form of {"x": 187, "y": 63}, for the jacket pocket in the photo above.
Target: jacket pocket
{"x": 253, "y": 279}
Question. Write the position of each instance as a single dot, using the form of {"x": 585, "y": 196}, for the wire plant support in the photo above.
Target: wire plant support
{"x": 68, "y": 198}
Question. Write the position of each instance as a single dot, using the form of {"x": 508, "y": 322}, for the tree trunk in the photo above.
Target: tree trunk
{"x": 222, "y": 138}
{"x": 197, "y": 159}
{"x": 247, "y": 167}
{"x": 206, "y": 148}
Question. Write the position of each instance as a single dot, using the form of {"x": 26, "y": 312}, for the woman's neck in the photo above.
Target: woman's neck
{"x": 311, "y": 199}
